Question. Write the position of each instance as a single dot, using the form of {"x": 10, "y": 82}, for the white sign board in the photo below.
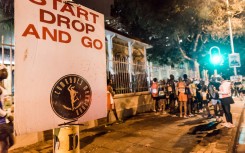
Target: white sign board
{"x": 234, "y": 60}
{"x": 60, "y": 65}
{"x": 236, "y": 78}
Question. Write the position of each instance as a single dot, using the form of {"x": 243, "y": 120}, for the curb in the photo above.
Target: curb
{"x": 236, "y": 139}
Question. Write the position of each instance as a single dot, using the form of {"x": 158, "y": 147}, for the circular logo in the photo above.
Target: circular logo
{"x": 71, "y": 97}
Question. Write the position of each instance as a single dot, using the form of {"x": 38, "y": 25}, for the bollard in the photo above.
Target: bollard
{"x": 66, "y": 139}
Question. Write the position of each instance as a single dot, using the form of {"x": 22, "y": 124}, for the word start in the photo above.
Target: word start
{"x": 59, "y": 20}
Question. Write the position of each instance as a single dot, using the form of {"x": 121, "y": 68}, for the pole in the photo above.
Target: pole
{"x": 231, "y": 36}
{"x": 66, "y": 139}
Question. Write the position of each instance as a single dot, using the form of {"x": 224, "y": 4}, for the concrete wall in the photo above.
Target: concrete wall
{"x": 130, "y": 104}
{"x": 127, "y": 105}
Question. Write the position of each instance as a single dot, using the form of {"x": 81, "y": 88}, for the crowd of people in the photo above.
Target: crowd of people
{"x": 6, "y": 118}
{"x": 188, "y": 97}
{"x": 238, "y": 88}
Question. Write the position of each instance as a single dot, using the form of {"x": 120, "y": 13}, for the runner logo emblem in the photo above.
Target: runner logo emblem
{"x": 71, "y": 97}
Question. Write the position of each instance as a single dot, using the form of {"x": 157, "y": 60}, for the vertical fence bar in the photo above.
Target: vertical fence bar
{"x": 11, "y": 67}
{"x": 128, "y": 77}
{"x": 121, "y": 76}
{"x": 2, "y": 49}
{"x": 116, "y": 75}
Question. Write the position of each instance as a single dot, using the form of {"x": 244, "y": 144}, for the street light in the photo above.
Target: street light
{"x": 215, "y": 57}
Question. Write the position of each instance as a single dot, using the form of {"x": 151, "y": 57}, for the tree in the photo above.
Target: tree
{"x": 7, "y": 15}
{"x": 180, "y": 29}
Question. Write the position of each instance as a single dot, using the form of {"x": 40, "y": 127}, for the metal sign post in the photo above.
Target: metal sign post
{"x": 231, "y": 35}
{"x": 234, "y": 60}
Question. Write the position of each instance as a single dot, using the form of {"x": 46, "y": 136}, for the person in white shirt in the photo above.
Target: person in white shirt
{"x": 226, "y": 100}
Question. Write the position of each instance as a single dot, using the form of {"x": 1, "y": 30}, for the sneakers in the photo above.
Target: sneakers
{"x": 164, "y": 113}
{"x": 119, "y": 122}
{"x": 219, "y": 119}
{"x": 107, "y": 125}
{"x": 228, "y": 125}
{"x": 210, "y": 116}
{"x": 224, "y": 124}
{"x": 191, "y": 115}
{"x": 185, "y": 116}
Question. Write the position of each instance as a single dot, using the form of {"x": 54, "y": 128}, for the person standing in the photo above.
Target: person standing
{"x": 213, "y": 93}
{"x": 218, "y": 107}
{"x": 182, "y": 97}
{"x": 188, "y": 92}
{"x": 193, "y": 90}
{"x": 6, "y": 128}
{"x": 171, "y": 93}
{"x": 226, "y": 100}
{"x": 205, "y": 101}
{"x": 162, "y": 96}
{"x": 154, "y": 94}
{"x": 243, "y": 90}
{"x": 110, "y": 103}
{"x": 199, "y": 95}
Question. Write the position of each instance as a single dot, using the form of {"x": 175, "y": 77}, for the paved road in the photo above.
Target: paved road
{"x": 154, "y": 133}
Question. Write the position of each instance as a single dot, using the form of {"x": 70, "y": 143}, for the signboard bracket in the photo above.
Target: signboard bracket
{"x": 70, "y": 123}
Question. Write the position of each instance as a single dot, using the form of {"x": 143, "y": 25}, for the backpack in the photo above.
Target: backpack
{"x": 187, "y": 90}
{"x": 212, "y": 93}
{"x": 154, "y": 90}
{"x": 161, "y": 91}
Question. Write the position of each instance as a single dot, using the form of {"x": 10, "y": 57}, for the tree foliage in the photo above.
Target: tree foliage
{"x": 180, "y": 29}
{"x": 7, "y": 15}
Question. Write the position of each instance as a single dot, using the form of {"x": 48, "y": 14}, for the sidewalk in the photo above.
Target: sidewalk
{"x": 154, "y": 133}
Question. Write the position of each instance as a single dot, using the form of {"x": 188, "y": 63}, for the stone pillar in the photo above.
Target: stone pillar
{"x": 187, "y": 69}
{"x": 148, "y": 74}
{"x": 110, "y": 52}
{"x": 130, "y": 60}
{"x": 197, "y": 71}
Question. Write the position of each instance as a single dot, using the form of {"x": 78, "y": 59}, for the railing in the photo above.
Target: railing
{"x": 7, "y": 58}
{"x": 128, "y": 78}
{"x": 136, "y": 77}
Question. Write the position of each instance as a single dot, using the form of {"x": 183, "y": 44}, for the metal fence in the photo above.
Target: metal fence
{"x": 136, "y": 77}
{"x": 7, "y": 58}
{"x": 127, "y": 77}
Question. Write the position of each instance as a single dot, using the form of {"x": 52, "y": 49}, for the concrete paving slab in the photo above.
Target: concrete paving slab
{"x": 152, "y": 133}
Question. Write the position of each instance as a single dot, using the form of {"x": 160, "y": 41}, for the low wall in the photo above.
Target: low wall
{"x": 130, "y": 104}
{"x": 127, "y": 105}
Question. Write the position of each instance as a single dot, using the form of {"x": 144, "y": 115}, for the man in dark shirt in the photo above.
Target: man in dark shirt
{"x": 188, "y": 92}
{"x": 213, "y": 89}
{"x": 171, "y": 92}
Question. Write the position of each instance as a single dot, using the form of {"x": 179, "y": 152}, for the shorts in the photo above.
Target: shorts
{"x": 215, "y": 101}
{"x": 205, "y": 102}
{"x": 227, "y": 101}
{"x": 155, "y": 98}
{"x": 171, "y": 96}
{"x": 162, "y": 97}
{"x": 243, "y": 91}
{"x": 182, "y": 97}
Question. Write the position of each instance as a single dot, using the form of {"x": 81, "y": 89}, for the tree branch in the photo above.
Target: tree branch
{"x": 6, "y": 19}
{"x": 196, "y": 43}
{"x": 183, "y": 52}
